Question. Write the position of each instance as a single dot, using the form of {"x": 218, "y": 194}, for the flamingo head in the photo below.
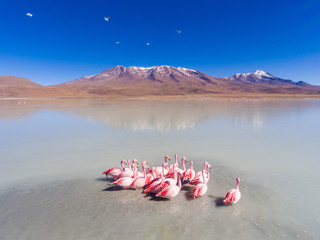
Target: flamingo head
{"x": 165, "y": 165}
{"x": 184, "y": 159}
{"x": 166, "y": 157}
{"x": 135, "y": 161}
{"x": 238, "y": 180}
{"x": 209, "y": 166}
{"x": 124, "y": 162}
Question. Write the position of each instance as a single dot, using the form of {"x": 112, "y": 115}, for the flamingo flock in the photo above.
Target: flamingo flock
{"x": 166, "y": 181}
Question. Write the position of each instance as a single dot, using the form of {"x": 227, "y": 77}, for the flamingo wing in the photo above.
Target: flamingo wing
{"x": 230, "y": 197}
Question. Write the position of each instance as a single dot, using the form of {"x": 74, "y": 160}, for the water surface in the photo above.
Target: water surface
{"x": 53, "y": 153}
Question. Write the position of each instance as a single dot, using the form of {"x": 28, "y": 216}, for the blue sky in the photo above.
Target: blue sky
{"x": 65, "y": 40}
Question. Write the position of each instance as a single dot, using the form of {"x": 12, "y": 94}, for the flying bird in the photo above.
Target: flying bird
{"x": 106, "y": 18}
{"x": 117, "y": 42}
{"x": 29, "y": 14}
{"x": 179, "y": 31}
{"x": 148, "y": 44}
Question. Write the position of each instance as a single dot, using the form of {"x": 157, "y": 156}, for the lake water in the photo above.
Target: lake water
{"x": 53, "y": 152}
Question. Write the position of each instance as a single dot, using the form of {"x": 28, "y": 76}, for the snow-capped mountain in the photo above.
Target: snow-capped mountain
{"x": 262, "y": 77}
{"x": 160, "y": 74}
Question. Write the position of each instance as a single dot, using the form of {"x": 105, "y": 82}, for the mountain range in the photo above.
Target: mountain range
{"x": 163, "y": 80}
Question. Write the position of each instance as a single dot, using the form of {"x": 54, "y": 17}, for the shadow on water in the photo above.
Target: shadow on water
{"x": 158, "y": 199}
{"x": 104, "y": 179}
{"x": 186, "y": 188}
{"x": 219, "y": 201}
{"x": 189, "y": 194}
{"x": 113, "y": 188}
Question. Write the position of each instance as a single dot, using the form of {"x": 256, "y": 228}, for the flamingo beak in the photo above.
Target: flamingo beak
{"x": 178, "y": 165}
{"x": 147, "y": 167}
{"x": 169, "y": 158}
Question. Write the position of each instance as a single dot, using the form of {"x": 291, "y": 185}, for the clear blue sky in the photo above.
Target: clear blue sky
{"x": 65, "y": 40}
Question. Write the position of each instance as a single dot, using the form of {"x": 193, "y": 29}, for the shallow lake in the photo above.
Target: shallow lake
{"x": 54, "y": 151}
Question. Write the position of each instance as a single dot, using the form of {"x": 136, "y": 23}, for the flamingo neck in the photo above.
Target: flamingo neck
{"x": 129, "y": 164}
{"x": 166, "y": 159}
{"x": 206, "y": 166}
{"x": 144, "y": 170}
{"x": 175, "y": 171}
{"x": 162, "y": 169}
{"x": 152, "y": 171}
{"x": 176, "y": 158}
{"x": 179, "y": 181}
{"x": 134, "y": 172}
{"x": 204, "y": 179}
{"x": 122, "y": 165}
{"x": 191, "y": 165}
{"x": 183, "y": 165}
{"x": 237, "y": 185}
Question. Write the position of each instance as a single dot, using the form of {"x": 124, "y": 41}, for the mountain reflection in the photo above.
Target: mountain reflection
{"x": 160, "y": 115}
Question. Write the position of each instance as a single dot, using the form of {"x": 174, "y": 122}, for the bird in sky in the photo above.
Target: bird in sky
{"x": 29, "y": 14}
{"x": 117, "y": 42}
{"x": 179, "y": 31}
{"x": 106, "y": 18}
{"x": 148, "y": 44}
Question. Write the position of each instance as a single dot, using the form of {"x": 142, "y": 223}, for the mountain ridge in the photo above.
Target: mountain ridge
{"x": 162, "y": 80}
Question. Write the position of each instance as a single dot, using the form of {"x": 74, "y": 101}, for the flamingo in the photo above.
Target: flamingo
{"x": 126, "y": 181}
{"x": 198, "y": 177}
{"x": 156, "y": 181}
{"x": 150, "y": 176}
{"x": 171, "y": 191}
{"x": 171, "y": 180}
{"x": 158, "y": 170}
{"x": 140, "y": 182}
{"x": 201, "y": 188}
{"x": 175, "y": 162}
{"x": 113, "y": 172}
{"x": 234, "y": 195}
{"x": 183, "y": 170}
{"x": 139, "y": 174}
{"x": 128, "y": 172}
{"x": 189, "y": 173}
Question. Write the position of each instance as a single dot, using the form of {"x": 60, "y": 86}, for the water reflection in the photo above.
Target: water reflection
{"x": 160, "y": 115}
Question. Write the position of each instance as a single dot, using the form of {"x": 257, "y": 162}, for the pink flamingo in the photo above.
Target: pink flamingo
{"x": 234, "y": 195}
{"x": 176, "y": 166}
{"x": 158, "y": 170}
{"x": 198, "y": 177}
{"x": 170, "y": 171}
{"x": 171, "y": 191}
{"x": 128, "y": 172}
{"x": 126, "y": 181}
{"x": 113, "y": 172}
{"x": 183, "y": 170}
{"x": 140, "y": 182}
{"x": 171, "y": 180}
{"x": 157, "y": 181}
{"x": 189, "y": 173}
{"x": 139, "y": 174}
{"x": 150, "y": 176}
{"x": 201, "y": 188}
